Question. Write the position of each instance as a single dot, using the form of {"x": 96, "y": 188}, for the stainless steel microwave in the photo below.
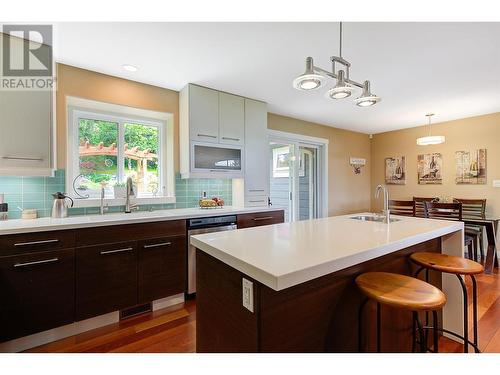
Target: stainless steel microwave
{"x": 217, "y": 160}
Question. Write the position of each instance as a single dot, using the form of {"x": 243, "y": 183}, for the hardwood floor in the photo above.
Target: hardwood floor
{"x": 488, "y": 289}
{"x": 167, "y": 330}
{"x": 174, "y": 329}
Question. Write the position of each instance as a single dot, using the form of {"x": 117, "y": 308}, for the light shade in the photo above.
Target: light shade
{"x": 341, "y": 90}
{"x": 309, "y": 80}
{"x": 431, "y": 140}
{"x": 367, "y": 99}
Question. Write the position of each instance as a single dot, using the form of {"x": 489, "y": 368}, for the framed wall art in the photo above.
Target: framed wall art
{"x": 430, "y": 169}
{"x": 395, "y": 170}
{"x": 470, "y": 167}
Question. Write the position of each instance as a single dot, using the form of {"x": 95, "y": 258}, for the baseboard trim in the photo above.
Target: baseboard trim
{"x": 45, "y": 337}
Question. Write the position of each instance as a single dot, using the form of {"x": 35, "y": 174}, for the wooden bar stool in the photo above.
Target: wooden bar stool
{"x": 402, "y": 292}
{"x": 460, "y": 267}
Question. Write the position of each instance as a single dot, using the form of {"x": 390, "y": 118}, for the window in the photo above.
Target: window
{"x": 106, "y": 148}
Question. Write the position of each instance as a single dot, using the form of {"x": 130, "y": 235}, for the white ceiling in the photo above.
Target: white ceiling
{"x": 452, "y": 69}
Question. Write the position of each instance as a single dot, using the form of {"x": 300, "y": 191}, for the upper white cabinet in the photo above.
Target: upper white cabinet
{"x": 26, "y": 133}
{"x": 203, "y": 113}
{"x": 212, "y": 133}
{"x": 225, "y": 136}
{"x": 231, "y": 119}
{"x": 256, "y": 154}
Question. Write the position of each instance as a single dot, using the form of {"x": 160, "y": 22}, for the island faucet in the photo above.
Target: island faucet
{"x": 130, "y": 191}
{"x": 386, "y": 212}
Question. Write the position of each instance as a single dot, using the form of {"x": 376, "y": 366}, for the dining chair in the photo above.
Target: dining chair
{"x": 403, "y": 208}
{"x": 419, "y": 205}
{"x": 474, "y": 209}
{"x": 450, "y": 211}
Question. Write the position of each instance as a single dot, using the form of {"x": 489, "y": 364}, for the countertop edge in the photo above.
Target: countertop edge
{"x": 246, "y": 268}
{"x": 122, "y": 219}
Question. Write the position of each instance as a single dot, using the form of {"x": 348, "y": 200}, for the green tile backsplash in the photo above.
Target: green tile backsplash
{"x": 35, "y": 192}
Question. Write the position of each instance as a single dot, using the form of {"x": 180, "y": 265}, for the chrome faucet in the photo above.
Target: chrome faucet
{"x": 386, "y": 212}
{"x": 103, "y": 208}
{"x": 130, "y": 191}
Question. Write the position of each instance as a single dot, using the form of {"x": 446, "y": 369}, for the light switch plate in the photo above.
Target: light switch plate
{"x": 247, "y": 294}
{"x": 496, "y": 183}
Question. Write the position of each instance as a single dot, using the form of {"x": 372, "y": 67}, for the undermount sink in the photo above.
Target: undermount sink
{"x": 379, "y": 219}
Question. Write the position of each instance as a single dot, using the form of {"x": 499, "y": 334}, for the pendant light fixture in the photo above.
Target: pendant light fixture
{"x": 314, "y": 76}
{"x": 430, "y": 139}
{"x": 309, "y": 80}
{"x": 367, "y": 99}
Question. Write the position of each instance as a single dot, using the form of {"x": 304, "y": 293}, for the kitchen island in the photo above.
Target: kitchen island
{"x": 290, "y": 287}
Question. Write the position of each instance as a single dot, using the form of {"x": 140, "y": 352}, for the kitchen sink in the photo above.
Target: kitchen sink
{"x": 379, "y": 219}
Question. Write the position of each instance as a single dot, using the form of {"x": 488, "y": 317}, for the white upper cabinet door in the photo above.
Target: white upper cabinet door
{"x": 231, "y": 119}
{"x": 26, "y": 132}
{"x": 256, "y": 149}
{"x": 203, "y": 114}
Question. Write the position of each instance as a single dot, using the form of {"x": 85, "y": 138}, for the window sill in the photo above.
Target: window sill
{"x": 96, "y": 202}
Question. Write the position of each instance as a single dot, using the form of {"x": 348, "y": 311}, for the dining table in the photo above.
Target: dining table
{"x": 491, "y": 226}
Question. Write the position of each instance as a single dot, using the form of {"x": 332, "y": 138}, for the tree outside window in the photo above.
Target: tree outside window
{"x": 111, "y": 151}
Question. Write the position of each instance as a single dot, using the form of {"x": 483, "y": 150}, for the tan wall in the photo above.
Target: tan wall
{"x": 465, "y": 134}
{"x": 348, "y": 192}
{"x": 86, "y": 84}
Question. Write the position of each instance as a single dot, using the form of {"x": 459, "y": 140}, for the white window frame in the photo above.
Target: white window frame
{"x": 88, "y": 109}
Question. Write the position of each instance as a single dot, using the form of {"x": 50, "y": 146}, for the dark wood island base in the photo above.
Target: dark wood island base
{"x": 320, "y": 315}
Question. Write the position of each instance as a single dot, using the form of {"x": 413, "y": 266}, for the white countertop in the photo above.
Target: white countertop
{"x": 288, "y": 254}
{"x": 83, "y": 221}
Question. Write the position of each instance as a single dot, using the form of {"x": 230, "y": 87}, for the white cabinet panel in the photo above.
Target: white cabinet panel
{"x": 231, "y": 119}
{"x": 256, "y": 201}
{"x": 256, "y": 150}
{"x": 25, "y": 132}
{"x": 203, "y": 114}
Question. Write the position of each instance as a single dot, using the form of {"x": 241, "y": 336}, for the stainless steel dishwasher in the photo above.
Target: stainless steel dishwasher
{"x": 200, "y": 226}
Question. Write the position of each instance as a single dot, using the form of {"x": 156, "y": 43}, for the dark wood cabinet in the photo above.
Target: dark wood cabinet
{"x": 260, "y": 218}
{"x": 162, "y": 268}
{"x": 37, "y": 292}
{"x": 106, "y": 278}
{"x": 49, "y": 279}
{"x": 39, "y": 241}
{"x": 122, "y": 266}
{"x": 130, "y": 232}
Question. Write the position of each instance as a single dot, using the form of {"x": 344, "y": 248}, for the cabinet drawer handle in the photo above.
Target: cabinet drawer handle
{"x": 116, "y": 251}
{"x": 263, "y": 218}
{"x": 260, "y": 200}
{"x": 231, "y": 139}
{"x": 21, "y": 158}
{"x": 157, "y": 245}
{"x": 43, "y": 242}
{"x": 222, "y": 170}
{"x": 52, "y": 260}
{"x": 256, "y": 190}
{"x": 207, "y": 135}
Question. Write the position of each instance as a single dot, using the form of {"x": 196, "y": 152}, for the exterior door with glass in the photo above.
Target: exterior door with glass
{"x": 294, "y": 179}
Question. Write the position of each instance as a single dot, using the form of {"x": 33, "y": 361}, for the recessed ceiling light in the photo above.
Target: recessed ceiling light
{"x": 130, "y": 68}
